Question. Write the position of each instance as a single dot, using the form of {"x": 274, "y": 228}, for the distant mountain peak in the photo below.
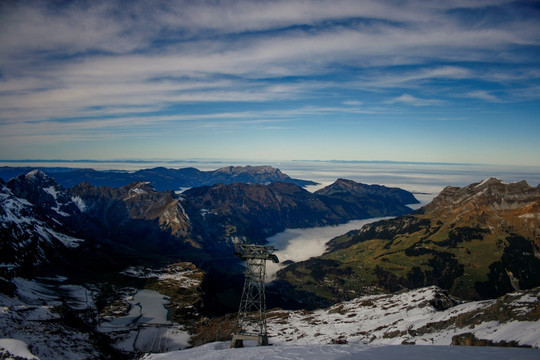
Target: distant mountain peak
{"x": 345, "y": 187}
{"x": 139, "y": 188}
{"x": 42, "y": 190}
{"x": 253, "y": 171}
{"x": 344, "y": 182}
{"x": 145, "y": 186}
{"x": 491, "y": 192}
{"x": 39, "y": 178}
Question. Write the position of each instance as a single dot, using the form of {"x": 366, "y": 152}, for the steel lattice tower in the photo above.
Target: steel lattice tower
{"x": 251, "y": 321}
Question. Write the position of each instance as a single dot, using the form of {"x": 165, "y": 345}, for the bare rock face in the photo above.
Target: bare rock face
{"x": 491, "y": 192}
{"x": 492, "y": 204}
{"x": 116, "y": 207}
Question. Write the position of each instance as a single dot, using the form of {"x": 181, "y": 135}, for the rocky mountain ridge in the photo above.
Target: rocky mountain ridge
{"x": 479, "y": 241}
{"x": 512, "y": 207}
{"x": 259, "y": 211}
{"x": 160, "y": 177}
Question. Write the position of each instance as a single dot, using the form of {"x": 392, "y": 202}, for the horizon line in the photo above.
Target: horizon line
{"x": 247, "y": 161}
{"x": 219, "y": 160}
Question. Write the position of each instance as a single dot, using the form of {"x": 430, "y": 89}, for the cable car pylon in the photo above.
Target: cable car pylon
{"x": 251, "y": 320}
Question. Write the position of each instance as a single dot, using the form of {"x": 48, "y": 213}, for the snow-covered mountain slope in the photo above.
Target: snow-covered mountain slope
{"x": 42, "y": 315}
{"x": 35, "y": 220}
{"x": 426, "y": 316}
{"x": 375, "y": 327}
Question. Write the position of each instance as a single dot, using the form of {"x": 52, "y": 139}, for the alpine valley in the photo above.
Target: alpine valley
{"x": 88, "y": 260}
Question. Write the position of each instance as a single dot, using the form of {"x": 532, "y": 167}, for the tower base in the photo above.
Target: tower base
{"x": 238, "y": 340}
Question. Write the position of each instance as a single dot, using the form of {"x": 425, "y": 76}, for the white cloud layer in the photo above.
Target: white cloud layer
{"x": 301, "y": 244}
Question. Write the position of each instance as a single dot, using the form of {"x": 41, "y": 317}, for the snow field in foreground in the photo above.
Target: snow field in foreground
{"x": 218, "y": 351}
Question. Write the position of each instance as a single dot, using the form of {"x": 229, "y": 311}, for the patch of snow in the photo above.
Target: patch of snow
{"x": 79, "y": 202}
{"x": 528, "y": 298}
{"x": 52, "y": 191}
{"x": 34, "y": 174}
{"x": 8, "y": 267}
{"x": 16, "y": 348}
{"x": 32, "y": 316}
{"x": 138, "y": 191}
{"x": 529, "y": 216}
{"x": 68, "y": 241}
{"x": 35, "y": 293}
{"x": 13, "y": 208}
{"x": 52, "y": 292}
{"x": 60, "y": 212}
{"x": 526, "y": 332}
{"x": 484, "y": 182}
{"x": 182, "y": 277}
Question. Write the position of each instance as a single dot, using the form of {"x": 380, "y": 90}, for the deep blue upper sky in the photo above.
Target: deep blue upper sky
{"x": 429, "y": 81}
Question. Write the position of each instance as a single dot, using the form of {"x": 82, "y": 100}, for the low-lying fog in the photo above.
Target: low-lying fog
{"x": 302, "y": 244}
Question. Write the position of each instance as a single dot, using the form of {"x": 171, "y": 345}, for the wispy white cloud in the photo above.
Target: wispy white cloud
{"x": 483, "y": 95}
{"x": 352, "y": 103}
{"x": 412, "y": 100}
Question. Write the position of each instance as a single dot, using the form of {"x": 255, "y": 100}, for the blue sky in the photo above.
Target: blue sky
{"x": 427, "y": 81}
